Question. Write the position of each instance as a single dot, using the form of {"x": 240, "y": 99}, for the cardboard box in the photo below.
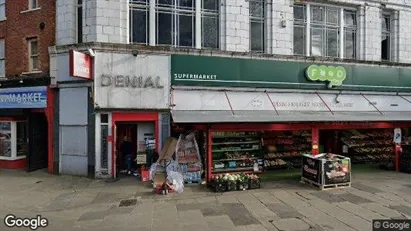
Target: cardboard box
{"x": 168, "y": 150}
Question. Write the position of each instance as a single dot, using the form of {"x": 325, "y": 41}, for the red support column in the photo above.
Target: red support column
{"x": 50, "y": 123}
{"x": 315, "y": 133}
{"x": 398, "y": 150}
{"x": 209, "y": 154}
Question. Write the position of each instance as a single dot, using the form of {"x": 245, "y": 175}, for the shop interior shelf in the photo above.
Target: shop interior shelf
{"x": 235, "y": 137}
{"x": 281, "y": 157}
{"x": 250, "y": 158}
{"x": 232, "y": 169}
{"x": 244, "y": 142}
{"x": 236, "y": 150}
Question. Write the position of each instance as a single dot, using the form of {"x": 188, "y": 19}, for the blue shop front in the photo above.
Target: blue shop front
{"x": 24, "y": 127}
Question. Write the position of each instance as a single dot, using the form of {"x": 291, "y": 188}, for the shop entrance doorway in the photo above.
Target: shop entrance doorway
{"x": 37, "y": 157}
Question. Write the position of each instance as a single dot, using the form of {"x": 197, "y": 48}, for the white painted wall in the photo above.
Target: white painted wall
{"x": 107, "y": 21}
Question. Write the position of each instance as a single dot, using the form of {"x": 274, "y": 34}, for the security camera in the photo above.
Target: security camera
{"x": 91, "y": 52}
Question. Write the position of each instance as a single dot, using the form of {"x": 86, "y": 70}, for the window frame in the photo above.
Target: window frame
{"x": 258, "y": 19}
{"x": 388, "y": 33}
{"x": 79, "y": 18}
{"x": 214, "y": 14}
{"x": 3, "y": 59}
{"x": 139, "y": 6}
{"x": 307, "y": 23}
{"x": 196, "y": 13}
{"x": 3, "y": 6}
{"x": 31, "y": 56}
{"x": 176, "y": 11}
{"x": 33, "y": 2}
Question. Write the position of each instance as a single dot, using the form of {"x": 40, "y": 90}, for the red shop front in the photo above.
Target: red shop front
{"x": 244, "y": 126}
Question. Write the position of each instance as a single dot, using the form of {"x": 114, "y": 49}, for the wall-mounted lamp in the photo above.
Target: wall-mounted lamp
{"x": 21, "y": 81}
{"x": 283, "y": 23}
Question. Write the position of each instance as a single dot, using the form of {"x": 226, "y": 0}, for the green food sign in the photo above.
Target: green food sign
{"x": 334, "y": 75}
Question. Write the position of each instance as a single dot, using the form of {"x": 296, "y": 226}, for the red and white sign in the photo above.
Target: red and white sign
{"x": 80, "y": 65}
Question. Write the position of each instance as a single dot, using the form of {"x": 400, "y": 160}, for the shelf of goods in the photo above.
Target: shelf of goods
{"x": 236, "y": 152}
{"x": 284, "y": 149}
{"x": 188, "y": 158}
{"x": 372, "y": 146}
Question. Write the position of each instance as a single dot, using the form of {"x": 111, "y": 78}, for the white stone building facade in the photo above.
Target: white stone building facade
{"x": 352, "y": 29}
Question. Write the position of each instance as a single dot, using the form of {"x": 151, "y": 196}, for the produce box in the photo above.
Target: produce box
{"x": 241, "y": 186}
{"x": 168, "y": 149}
{"x": 220, "y": 187}
{"x": 326, "y": 170}
{"x": 254, "y": 184}
{"x": 231, "y": 186}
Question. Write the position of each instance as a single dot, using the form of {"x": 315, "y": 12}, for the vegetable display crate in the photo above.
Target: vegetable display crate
{"x": 237, "y": 182}
{"x": 254, "y": 184}
{"x": 326, "y": 171}
{"x": 220, "y": 187}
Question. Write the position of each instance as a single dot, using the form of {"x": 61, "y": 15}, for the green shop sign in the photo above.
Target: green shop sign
{"x": 334, "y": 75}
{"x": 195, "y": 70}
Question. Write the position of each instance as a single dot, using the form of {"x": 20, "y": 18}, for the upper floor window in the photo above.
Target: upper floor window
{"x": 175, "y": 22}
{"x": 257, "y": 25}
{"x": 210, "y": 24}
{"x": 79, "y": 19}
{"x": 33, "y": 54}
{"x": 2, "y": 58}
{"x": 386, "y": 37}
{"x": 2, "y": 9}
{"x": 328, "y": 31}
{"x": 33, "y": 4}
{"x": 139, "y": 21}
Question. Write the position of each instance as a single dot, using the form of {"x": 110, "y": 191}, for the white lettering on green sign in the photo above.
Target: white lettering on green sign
{"x": 334, "y": 75}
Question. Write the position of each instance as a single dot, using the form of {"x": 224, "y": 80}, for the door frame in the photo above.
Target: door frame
{"x": 131, "y": 117}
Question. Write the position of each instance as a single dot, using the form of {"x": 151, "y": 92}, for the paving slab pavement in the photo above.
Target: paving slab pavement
{"x": 76, "y": 203}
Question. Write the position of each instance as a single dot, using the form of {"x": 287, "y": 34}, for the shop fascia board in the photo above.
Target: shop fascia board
{"x": 297, "y": 91}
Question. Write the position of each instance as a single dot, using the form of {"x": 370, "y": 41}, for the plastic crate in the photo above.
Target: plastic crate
{"x": 231, "y": 186}
{"x": 241, "y": 186}
{"x": 254, "y": 184}
{"x": 220, "y": 187}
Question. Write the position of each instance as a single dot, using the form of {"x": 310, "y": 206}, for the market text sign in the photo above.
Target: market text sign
{"x": 29, "y": 97}
{"x": 333, "y": 75}
{"x": 80, "y": 65}
{"x": 131, "y": 81}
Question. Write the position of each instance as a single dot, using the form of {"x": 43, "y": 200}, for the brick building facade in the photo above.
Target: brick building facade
{"x": 21, "y": 24}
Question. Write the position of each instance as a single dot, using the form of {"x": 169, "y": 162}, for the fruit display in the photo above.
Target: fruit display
{"x": 274, "y": 163}
{"x": 235, "y": 151}
{"x": 284, "y": 149}
{"x": 369, "y": 146}
{"x": 233, "y": 156}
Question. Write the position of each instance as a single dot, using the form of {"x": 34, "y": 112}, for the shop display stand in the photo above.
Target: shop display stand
{"x": 326, "y": 173}
{"x": 288, "y": 149}
{"x": 235, "y": 152}
{"x": 369, "y": 147}
{"x": 189, "y": 160}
